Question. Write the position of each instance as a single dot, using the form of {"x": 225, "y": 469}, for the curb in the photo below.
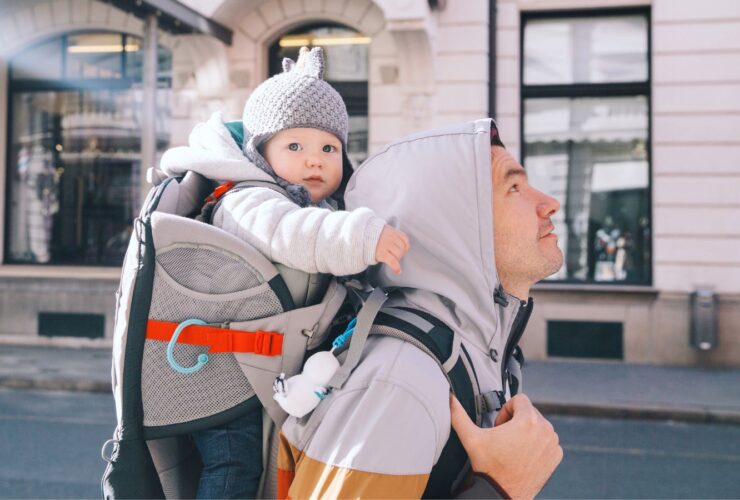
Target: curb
{"x": 56, "y": 385}
{"x": 702, "y": 415}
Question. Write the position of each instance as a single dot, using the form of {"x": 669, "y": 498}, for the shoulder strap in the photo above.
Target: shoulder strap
{"x": 443, "y": 344}
{"x": 215, "y": 199}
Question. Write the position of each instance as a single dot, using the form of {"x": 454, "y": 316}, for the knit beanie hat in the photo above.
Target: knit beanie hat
{"x": 296, "y": 98}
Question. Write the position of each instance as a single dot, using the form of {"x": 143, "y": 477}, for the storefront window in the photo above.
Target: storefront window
{"x": 346, "y": 52}
{"x": 74, "y": 161}
{"x": 586, "y": 141}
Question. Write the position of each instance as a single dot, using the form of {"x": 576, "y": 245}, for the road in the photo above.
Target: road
{"x": 50, "y": 448}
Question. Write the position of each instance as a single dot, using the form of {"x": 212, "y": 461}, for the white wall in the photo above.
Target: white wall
{"x": 696, "y": 144}
{"x": 696, "y": 132}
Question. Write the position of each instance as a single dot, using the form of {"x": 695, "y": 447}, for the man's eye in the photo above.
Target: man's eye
{"x": 514, "y": 188}
{"x": 329, "y": 148}
{"x": 294, "y": 146}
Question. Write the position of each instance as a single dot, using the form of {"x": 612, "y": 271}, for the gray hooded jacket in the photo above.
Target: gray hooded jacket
{"x": 383, "y": 431}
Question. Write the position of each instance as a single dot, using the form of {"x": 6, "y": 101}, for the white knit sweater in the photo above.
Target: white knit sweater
{"x": 311, "y": 239}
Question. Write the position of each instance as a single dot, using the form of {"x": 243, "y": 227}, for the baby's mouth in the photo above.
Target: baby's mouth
{"x": 313, "y": 179}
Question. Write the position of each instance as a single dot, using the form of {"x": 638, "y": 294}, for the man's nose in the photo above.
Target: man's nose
{"x": 547, "y": 205}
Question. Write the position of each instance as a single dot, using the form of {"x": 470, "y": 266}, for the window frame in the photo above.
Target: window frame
{"x": 594, "y": 90}
{"x": 55, "y": 85}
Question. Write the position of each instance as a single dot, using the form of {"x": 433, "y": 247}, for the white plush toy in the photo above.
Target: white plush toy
{"x": 299, "y": 395}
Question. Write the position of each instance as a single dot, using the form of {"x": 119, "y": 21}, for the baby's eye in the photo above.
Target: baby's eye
{"x": 294, "y": 146}
{"x": 329, "y": 148}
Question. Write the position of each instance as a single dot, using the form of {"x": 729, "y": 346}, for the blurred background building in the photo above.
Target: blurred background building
{"x": 628, "y": 112}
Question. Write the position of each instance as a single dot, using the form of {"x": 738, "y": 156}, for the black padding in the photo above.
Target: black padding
{"x": 454, "y": 458}
{"x": 131, "y": 473}
{"x": 283, "y": 293}
{"x": 439, "y": 340}
{"x": 132, "y": 408}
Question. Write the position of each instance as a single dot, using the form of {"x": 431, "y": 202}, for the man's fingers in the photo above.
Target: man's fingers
{"x": 465, "y": 428}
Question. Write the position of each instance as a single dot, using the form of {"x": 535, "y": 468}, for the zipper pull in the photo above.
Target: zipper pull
{"x": 499, "y": 297}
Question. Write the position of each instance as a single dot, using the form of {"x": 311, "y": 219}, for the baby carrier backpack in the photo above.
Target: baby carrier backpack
{"x": 205, "y": 324}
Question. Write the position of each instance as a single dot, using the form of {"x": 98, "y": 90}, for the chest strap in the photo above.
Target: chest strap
{"x": 218, "y": 339}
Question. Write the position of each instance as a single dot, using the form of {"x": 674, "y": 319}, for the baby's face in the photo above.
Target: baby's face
{"x": 309, "y": 157}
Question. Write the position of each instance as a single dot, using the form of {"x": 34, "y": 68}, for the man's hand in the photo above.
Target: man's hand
{"x": 519, "y": 454}
{"x": 392, "y": 246}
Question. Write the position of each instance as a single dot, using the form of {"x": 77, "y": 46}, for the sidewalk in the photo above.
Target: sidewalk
{"x": 586, "y": 388}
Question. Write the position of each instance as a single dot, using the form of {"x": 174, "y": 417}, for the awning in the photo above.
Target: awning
{"x": 175, "y": 18}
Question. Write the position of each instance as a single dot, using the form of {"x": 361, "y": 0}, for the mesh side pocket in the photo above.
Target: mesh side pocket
{"x": 170, "y": 304}
{"x": 171, "y": 398}
{"x": 208, "y": 271}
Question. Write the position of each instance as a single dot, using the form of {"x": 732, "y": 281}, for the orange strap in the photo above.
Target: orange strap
{"x": 219, "y": 191}
{"x": 218, "y": 339}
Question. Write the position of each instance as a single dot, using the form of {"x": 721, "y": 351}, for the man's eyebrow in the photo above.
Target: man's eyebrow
{"x": 514, "y": 172}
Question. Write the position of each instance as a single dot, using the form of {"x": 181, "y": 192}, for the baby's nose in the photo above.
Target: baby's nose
{"x": 313, "y": 161}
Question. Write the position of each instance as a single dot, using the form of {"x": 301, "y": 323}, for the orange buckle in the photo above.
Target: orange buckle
{"x": 265, "y": 343}
{"x": 219, "y": 191}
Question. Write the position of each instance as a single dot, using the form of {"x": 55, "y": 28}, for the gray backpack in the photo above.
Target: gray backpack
{"x": 204, "y": 324}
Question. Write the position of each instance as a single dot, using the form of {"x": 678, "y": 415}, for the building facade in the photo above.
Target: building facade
{"x": 628, "y": 112}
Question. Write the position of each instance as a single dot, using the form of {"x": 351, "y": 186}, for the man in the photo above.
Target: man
{"x": 455, "y": 192}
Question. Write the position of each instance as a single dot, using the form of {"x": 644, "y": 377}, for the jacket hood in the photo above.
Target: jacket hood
{"x": 436, "y": 187}
{"x": 213, "y": 153}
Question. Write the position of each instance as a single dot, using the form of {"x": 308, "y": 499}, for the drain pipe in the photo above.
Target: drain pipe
{"x": 492, "y": 58}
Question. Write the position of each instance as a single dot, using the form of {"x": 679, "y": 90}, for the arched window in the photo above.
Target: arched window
{"x": 74, "y": 155}
{"x": 346, "y": 52}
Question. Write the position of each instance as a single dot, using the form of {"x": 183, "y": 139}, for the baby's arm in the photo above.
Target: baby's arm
{"x": 311, "y": 239}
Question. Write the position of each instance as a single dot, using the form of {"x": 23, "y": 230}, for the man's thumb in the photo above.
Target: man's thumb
{"x": 461, "y": 422}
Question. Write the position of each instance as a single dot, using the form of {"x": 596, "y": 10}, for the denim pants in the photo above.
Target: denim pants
{"x": 232, "y": 457}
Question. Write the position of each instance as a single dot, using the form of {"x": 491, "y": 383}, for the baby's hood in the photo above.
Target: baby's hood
{"x": 436, "y": 187}
{"x": 213, "y": 153}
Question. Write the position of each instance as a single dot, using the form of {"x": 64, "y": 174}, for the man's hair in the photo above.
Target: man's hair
{"x": 495, "y": 137}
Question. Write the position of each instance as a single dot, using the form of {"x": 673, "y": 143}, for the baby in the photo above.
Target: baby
{"x": 295, "y": 127}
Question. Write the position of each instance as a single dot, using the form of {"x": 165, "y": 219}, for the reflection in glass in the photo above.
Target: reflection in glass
{"x": 591, "y": 155}
{"x": 40, "y": 62}
{"x": 74, "y": 156}
{"x": 346, "y": 54}
{"x": 586, "y": 50}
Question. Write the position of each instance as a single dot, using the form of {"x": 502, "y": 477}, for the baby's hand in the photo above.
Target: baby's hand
{"x": 392, "y": 246}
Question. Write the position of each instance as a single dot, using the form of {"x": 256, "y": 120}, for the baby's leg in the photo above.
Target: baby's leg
{"x": 232, "y": 457}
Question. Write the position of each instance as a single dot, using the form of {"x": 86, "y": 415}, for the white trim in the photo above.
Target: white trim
{"x": 3, "y": 149}
{"x": 60, "y": 272}
{"x": 67, "y": 342}
{"x": 535, "y": 5}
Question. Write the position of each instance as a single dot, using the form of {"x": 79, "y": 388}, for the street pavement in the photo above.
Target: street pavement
{"x": 579, "y": 388}
{"x": 50, "y": 448}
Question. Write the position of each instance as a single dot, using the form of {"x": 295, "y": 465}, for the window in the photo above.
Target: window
{"x": 74, "y": 173}
{"x": 586, "y": 137}
{"x": 346, "y": 53}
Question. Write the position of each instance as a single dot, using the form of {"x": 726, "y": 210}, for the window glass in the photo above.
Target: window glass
{"x": 41, "y": 62}
{"x": 591, "y": 155}
{"x": 135, "y": 64}
{"x": 74, "y": 159}
{"x": 346, "y": 56}
{"x": 95, "y": 55}
{"x": 586, "y": 50}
